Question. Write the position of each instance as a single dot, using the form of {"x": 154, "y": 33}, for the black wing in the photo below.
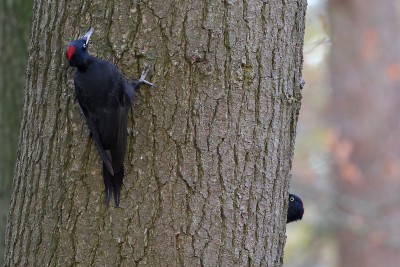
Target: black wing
{"x": 102, "y": 93}
{"x": 91, "y": 122}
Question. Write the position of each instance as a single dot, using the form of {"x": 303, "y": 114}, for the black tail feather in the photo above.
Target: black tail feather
{"x": 117, "y": 184}
{"x": 113, "y": 185}
{"x": 107, "y": 184}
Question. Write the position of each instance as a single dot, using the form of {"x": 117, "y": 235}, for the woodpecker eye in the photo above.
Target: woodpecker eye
{"x": 292, "y": 199}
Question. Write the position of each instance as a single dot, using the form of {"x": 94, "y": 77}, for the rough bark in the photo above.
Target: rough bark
{"x": 365, "y": 78}
{"x": 210, "y": 148}
{"x": 15, "y": 18}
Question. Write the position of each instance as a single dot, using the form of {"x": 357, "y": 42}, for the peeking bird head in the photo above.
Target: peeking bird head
{"x": 77, "y": 52}
{"x": 295, "y": 209}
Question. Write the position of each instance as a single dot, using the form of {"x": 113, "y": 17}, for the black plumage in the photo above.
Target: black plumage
{"x": 105, "y": 97}
{"x": 295, "y": 209}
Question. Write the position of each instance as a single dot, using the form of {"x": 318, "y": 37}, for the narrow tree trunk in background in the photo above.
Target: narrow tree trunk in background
{"x": 365, "y": 76}
{"x": 210, "y": 148}
{"x": 15, "y": 21}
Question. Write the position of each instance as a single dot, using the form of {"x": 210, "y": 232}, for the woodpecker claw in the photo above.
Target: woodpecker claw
{"x": 142, "y": 78}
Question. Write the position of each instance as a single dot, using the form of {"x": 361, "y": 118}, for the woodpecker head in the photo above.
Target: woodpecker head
{"x": 77, "y": 53}
{"x": 295, "y": 209}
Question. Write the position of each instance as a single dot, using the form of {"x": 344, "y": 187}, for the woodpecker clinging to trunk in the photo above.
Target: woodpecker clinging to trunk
{"x": 295, "y": 209}
{"x": 105, "y": 97}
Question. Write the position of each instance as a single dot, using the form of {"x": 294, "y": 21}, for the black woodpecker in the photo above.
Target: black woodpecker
{"x": 105, "y": 97}
{"x": 295, "y": 209}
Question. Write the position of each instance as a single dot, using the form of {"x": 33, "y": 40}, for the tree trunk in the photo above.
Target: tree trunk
{"x": 210, "y": 148}
{"x": 365, "y": 77}
{"x": 15, "y": 21}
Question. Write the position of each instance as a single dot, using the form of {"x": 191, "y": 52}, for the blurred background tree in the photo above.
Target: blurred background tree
{"x": 15, "y": 27}
{"x": 347, "y": 162}
{"x": 346, "y": 166}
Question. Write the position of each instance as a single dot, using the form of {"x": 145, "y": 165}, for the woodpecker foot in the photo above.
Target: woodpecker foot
{"x": 142, "y": 78}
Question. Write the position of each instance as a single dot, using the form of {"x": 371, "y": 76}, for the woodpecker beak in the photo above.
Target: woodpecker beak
{"x": 87, "y": 36}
